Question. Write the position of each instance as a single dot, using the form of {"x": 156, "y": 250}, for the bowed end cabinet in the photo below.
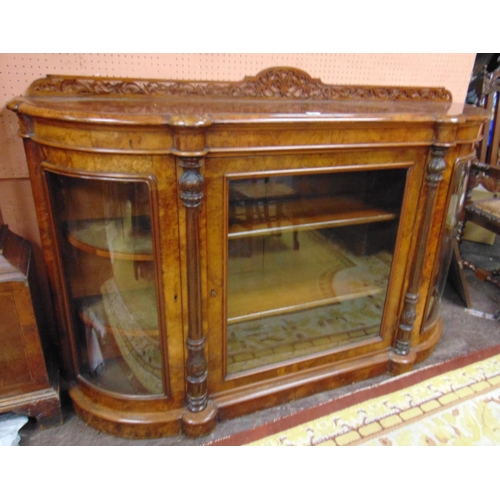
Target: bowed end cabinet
{"x": 215, "y": 248}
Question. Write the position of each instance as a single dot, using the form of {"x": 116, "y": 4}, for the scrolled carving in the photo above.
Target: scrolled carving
{"x": 272, "y": 83}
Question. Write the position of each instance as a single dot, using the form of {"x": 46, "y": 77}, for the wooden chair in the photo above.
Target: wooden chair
{"x": 484, "y": 213}
{"x": 490, "y": 99}
{"x": 485, "y": 172}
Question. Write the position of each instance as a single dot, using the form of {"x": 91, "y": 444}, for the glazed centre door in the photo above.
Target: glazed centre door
{"x": 307, "y": 263}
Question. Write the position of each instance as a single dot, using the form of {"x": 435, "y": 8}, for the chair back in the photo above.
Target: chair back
{"x": 490, "y": 99}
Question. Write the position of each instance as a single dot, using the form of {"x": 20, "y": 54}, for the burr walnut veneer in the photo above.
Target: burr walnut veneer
{"x": 214, "y": 248}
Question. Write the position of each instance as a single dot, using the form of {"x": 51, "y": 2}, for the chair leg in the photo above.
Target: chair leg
{"x": 457, "y": 277}
{"x": 483, "y": 274}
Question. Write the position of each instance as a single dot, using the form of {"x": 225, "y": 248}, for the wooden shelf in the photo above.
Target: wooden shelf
{"x": 264, "y": 297}
{"x": 304, "y": 213}
{"x": 246, "y": 191}
{"x": 319, "y": 274}
{"x": 112, "y": 238}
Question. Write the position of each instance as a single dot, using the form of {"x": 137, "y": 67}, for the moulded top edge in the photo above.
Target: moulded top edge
{"x": 278, "y": 94}
{"x": 200, "y": 113}
{"x": 274, "y": 94}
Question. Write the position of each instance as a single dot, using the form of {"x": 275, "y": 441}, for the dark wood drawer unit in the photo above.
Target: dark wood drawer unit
{"x": 28, "y": 383}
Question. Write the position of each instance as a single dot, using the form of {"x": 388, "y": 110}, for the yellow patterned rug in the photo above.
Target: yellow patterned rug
{"x": 457, "y": 407}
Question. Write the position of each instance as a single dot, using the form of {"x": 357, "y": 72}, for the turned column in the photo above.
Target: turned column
{"x": 191, "y": 184}
{"x": 199, "y": 416}
{"x": 433, "y": 178}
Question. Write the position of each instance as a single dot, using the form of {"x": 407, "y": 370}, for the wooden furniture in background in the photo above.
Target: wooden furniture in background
{"x": 485, "y": 212}
{"x": 28, "y": 380}
{"x": 214, "y": 248}
{"x": 489, "y": 147}
{"x": 475, "y": 224}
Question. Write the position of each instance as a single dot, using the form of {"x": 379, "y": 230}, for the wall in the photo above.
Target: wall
{"x": 17, "y": 71}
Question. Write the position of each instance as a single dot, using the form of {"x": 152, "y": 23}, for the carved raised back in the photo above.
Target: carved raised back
{"x": 272, "y": 83}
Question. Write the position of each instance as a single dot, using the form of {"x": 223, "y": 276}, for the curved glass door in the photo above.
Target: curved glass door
{"x": 309, "y": 259}
{"x": 449, "y": 234}
{"x": 106, "y": 247}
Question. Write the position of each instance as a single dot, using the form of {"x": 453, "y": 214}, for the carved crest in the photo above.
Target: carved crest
{"x": 272, "y": 83}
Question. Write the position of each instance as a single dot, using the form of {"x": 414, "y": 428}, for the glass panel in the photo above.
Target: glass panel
{"x": 309, "y": 258}
{"x": 107, "y": 253}
{"x": 448, "y": 238}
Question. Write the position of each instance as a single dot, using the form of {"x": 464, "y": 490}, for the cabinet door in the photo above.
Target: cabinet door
{"x": 448, "y": 240}
{"x": 308, "y": 257}
{"x": 105, "y": 237}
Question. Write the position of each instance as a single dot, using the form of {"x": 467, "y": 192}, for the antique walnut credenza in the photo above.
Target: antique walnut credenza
{"x": 215, "y": 248}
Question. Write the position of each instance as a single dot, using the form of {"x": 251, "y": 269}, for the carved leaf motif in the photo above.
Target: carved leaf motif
{"x": 191, "y": 184}
{"x": 436, "y": 166}
{"x": 273, "y": 83}
{"x": 409, "y": 316}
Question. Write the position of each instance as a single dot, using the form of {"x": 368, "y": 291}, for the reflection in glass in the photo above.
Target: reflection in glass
{"x": 107, "y": 252}
{"x": 309, "y": 259}
{"x": 449, "y": 234}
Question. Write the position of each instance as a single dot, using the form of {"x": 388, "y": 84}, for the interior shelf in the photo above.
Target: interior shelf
{"x": 277, "y": 282}
{"x": 254, "y": 219}
{"x": 113, "y": 238}
{"x": 291, "y": 302}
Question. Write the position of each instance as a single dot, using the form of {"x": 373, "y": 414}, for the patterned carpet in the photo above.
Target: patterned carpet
{"x": 456, "y": 403}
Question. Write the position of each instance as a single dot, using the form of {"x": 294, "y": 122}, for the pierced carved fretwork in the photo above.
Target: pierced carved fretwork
{"x": 272, "y": 83}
